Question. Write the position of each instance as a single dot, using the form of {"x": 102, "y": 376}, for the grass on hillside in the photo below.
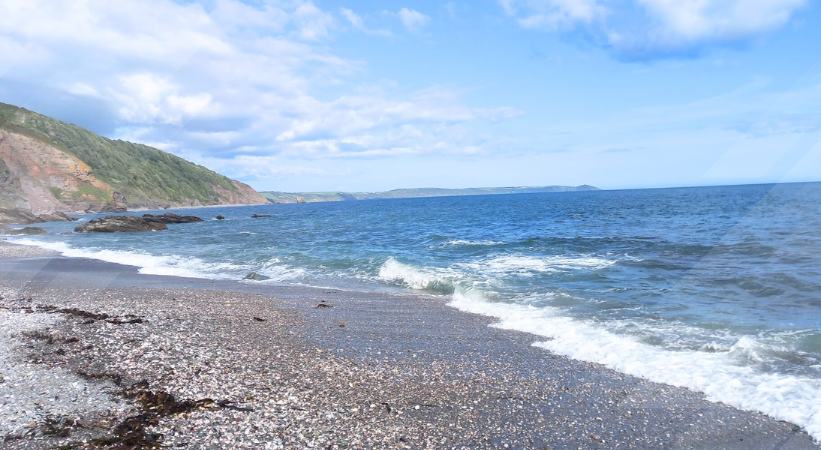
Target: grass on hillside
{"x": 142, "y": 173}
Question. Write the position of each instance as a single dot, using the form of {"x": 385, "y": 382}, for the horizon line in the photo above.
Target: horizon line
{"x": 595, "y": 188}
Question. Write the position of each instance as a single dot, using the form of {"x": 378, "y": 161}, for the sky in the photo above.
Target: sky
{"x": 296, "y": 95}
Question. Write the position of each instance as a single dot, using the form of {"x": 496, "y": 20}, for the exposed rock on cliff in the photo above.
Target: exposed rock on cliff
{"x": 22, "y": 216}
{"x": 47, "y": 165}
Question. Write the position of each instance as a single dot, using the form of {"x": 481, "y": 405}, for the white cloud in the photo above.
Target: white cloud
{"x": 553, "y": 14}
{"x": 412, "y": 20}
{"x": 649, "y": 28}
{"x": 82, "y": 89}
{"x": 223, "y": 80}
{"x": 313, "y": 22}
{"x": 353, "y": 18}
{"x": 690, "y": 21}
{"x": 358, "y": 23}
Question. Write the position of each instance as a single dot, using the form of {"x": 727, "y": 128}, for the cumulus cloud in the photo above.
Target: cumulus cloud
{"x": 553, "y": 14}
{"x": 412, "y": 20}
{"x": 656, "y": 28}
{"x": 358, "y": 23}
{"x": 223, "y": 82}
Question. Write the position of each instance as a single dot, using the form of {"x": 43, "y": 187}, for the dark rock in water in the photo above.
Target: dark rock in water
{"x": 148, "y": 222}
{"x": 260, "y": 216}
{"x": 322, "y": 304}
{"x": 220, "y": 217}
{"x": 256, "y": 277}
{"x": 170, "y": 218}
{"x": 114, "y": 224}
{"x": 26, "y": 230}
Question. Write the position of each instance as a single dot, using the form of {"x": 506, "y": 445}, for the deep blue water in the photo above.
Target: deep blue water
{"x": 717, "y": 289}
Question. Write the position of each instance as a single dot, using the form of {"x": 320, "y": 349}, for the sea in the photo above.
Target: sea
{"x": 716, "y": 289}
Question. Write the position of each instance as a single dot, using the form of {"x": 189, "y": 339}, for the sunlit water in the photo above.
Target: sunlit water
{"x": 715, "y": 289}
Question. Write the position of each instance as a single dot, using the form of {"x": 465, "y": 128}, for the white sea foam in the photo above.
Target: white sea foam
{"x": 169, "y": 265}
{"x": 528, "y": 265}
{"x": 467, "y": 242}
{"x": 415, "y": 278}
{"x": 277, "y": 271}
{"x": 716, "y": 373}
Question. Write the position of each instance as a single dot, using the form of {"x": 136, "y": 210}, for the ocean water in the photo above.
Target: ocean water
{"x": 715, "y": 289}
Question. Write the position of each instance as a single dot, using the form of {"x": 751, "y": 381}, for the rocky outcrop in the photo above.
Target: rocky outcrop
{"x": 118, "y": 204}
{"x": 57, "y": 216}
{"x": 16, "y": 215}
{"x": 22, "y": 216}
{"x": 241, "y": 195}
{"x": 119, "y": 224}
{"x": 41, "y": 178}
{"x": 170, "y": 218}
{"x": 118, "y": 201}
{"x": 255, "y": 277}
{"x": 27, "y": 231}
{"x": 148, "y": 222}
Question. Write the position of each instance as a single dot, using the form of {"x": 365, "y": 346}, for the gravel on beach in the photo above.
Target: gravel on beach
{"x": 8, "y": 250}
{"x": 199, "y": 368}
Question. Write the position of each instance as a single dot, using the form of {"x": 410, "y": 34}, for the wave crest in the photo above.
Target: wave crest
{"x": 415, "y": 278}
{"x": 168, "y": 265}
{"x": 716, "y": 372}
{"x": 528, "y": 265}
{"x": 472, "y": 243}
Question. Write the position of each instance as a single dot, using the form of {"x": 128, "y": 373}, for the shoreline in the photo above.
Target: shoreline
{"x": 447, "y": 377}
{"x": 78, "y": 214}
{"x": 170, "y": 208}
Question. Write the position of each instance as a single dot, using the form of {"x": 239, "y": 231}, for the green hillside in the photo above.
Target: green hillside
{"x": 145, "y": 175}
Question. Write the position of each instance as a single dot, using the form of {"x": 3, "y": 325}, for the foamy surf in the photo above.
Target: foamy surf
{"x": 167, "y": 265}
{"x": 527, "y": 265}
{"x": 412, "y": 277}
{"x": 472, "y": 243}
{"x": 278, "y": 271}
{"x": 716, "y": 373}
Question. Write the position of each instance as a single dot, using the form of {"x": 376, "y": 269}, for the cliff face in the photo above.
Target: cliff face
{"x": 40, "y": 178}
{"x": 47, "y": 165}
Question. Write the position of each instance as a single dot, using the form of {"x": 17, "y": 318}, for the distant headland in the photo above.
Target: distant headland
{"x": 312, "y": 197}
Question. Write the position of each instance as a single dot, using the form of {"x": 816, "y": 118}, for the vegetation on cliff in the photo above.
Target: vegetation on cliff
{"x": 146, "y": 176}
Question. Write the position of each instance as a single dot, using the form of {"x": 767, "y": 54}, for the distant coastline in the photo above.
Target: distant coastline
{"x": 313, "y": 197}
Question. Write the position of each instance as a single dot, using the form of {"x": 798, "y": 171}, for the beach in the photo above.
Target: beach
{"x": 121, "y": 358}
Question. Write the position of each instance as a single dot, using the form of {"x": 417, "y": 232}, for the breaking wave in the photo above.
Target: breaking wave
{"x": 715, "y": 372}
{"x": 472, "y": 243}
{"x": 168, "y": 265}
{"x": 437, "y": 281}
{"x": 525, "y": 265}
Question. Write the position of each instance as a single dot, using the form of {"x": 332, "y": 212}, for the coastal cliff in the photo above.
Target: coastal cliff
{"x": 47, "y": 166}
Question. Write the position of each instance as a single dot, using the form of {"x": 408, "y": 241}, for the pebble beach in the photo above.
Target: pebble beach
{"x": 95, "y": 355}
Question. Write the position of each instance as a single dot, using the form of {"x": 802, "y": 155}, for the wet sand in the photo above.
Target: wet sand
{"x": 198, "y": 363}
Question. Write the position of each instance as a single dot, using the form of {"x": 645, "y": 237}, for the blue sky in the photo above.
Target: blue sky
{"x": 370, "y": 95}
